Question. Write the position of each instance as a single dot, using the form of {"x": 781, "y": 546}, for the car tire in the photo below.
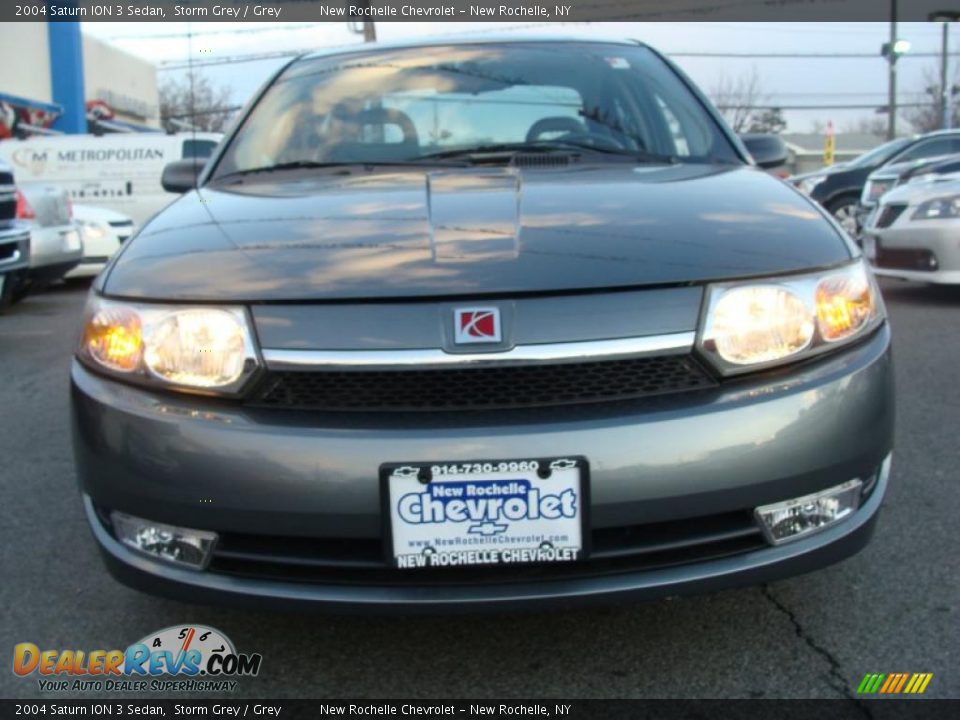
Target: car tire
{"x": 6, "y": 295}
{"x": 15, "y": 289}
{"x": 844, "y": 211}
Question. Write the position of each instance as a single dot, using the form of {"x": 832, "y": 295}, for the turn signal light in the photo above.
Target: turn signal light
{"x": 844, "y": 304}
{"x": 113, "y": 337}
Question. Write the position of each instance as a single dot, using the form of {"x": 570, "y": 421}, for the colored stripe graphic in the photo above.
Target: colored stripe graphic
{"x": 894, "y": 683}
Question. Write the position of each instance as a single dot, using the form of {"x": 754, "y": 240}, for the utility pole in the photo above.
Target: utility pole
{"x": 892, "y": 60}
{"x": 944, "y": 72}
{"x": 945, "y": 17}
{"x": 369, "y": 28}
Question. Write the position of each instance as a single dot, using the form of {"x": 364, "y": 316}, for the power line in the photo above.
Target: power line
{"x": 255, "y": 57}
{"x": 232, "y": 31}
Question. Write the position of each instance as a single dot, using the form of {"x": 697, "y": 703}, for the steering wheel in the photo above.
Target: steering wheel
{"x": 594, "y": 140}
{"x": 546, "y": 125}
{"x": 574, "y": 133}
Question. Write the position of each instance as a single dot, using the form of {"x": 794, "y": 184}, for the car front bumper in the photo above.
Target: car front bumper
{"x": 673, "y": 461}
{"x": 907, "y": 247}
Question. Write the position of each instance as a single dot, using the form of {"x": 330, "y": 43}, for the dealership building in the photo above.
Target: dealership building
{"x": 56, "y": 79}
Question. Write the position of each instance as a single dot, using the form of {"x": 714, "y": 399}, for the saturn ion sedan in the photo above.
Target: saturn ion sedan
{"x": 485, "y": 325}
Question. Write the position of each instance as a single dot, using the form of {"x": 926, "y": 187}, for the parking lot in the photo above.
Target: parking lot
{"x": 892, "y": 608}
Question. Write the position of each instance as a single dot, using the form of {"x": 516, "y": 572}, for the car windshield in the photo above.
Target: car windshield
{"x": 418, "y": 105}
{"x": 881, "y": 154}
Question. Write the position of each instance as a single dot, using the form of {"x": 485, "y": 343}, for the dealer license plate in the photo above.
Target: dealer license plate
{"x": 500, "y": 512}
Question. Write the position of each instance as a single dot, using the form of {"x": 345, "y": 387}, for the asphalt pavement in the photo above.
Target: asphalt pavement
{"x": 892, "y": 608}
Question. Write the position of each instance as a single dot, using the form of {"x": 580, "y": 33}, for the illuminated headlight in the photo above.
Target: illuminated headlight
{"x": 93, "y": 231}
{"x": 71, "y": 241}
{"x": 759, "y": 324}
{"x": 196, "y": 349}
{"x": 182, "y": 546}
{"x": 808, "y": 184}
{"x": 938, "y": 208}
{"x": 797, "y": 518}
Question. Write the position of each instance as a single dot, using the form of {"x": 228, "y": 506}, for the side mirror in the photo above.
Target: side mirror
{"x": 768, "y": 150}
{"x": 180, "y": 176}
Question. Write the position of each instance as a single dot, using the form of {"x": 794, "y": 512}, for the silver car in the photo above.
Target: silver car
{"x": 55, "y": 243}
{"x": 914, "y": 234}
{"x": 14, "y": 240}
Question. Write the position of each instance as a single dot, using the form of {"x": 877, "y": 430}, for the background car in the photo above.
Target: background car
{"x": 14, "y": 240}
{"x": 915, "y": 233}
{"x": 839, "y": 188}
{"x": 55, "y": 244}
{"x": 890, "y": 176}
{"x": 103, "y": 231}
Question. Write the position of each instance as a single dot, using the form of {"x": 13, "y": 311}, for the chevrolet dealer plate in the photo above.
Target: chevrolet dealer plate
{"x": 500, "y": 512}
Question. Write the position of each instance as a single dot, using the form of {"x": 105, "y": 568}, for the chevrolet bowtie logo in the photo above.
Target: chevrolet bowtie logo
{"x": 487, "y": 529}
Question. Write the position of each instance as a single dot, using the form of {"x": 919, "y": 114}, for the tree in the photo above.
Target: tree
{"x": 929, "y": 115}
{"x": 768, "y": 121}
{"x": 738, "y": 98}
{"x": 193, "y": 101}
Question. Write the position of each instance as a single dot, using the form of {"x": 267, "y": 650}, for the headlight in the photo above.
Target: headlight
{"x": 753, "y": 325}
{"x": 938, "y": 208}
{"x": 92, "y": 231}
{"x": 875, "y": 189}
{"x": 808, "y": 184}
{"x": 197, "y": 349}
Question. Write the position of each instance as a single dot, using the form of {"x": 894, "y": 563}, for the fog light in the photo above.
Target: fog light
{"x": 794, "y": 519}
{"x": 164, "y": 542}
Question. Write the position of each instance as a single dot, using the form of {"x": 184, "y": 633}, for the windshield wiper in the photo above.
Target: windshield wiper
{"x": 554, "y": 146}
{"x": 316, "y": 164}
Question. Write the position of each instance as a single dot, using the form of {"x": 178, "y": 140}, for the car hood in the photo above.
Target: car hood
{"x": 99, "y": 215}
{"x": 919, "y": 192}
{"x": 825, "y": 170}
{"x": 902, "y": 169}
{"x": 465, "y": 231}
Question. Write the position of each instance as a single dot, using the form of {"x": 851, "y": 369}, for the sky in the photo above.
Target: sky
{"x": 785, "y": 81}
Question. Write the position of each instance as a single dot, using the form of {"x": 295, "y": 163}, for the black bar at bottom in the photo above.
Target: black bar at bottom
{"x": 855, "y": 709}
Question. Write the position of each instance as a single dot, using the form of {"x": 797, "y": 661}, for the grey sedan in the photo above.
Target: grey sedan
{"x": 482, "y": 325}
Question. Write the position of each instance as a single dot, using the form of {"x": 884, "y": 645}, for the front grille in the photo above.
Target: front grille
{"x": 362, "y": 561}
{"x": 889, "y": 214}
{"x": 485, "y": 388}
{"x": 8, "y": 207}
{"x": 906, "y": 259}
{"x": 8, "y": 197}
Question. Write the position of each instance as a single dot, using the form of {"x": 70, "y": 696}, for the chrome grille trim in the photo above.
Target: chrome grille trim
{"x": 672, "y": 344}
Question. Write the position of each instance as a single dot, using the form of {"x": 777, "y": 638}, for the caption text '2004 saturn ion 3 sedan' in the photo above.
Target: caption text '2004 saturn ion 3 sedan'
{"x": 480, "y": 325}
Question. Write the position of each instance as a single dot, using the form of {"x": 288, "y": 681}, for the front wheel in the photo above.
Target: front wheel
{"x": 844, "y": 211}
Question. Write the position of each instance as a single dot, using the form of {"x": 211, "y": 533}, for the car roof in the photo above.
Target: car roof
{"x": 481, "y": 39}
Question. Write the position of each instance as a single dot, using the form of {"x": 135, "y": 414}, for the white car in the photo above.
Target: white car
{"x": 55, "y": 244}
{"x": 914, "y": 233}
{"x": 103, "y": 232}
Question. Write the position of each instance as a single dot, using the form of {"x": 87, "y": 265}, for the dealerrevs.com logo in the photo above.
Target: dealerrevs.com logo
{"x": 178, "y": 658}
